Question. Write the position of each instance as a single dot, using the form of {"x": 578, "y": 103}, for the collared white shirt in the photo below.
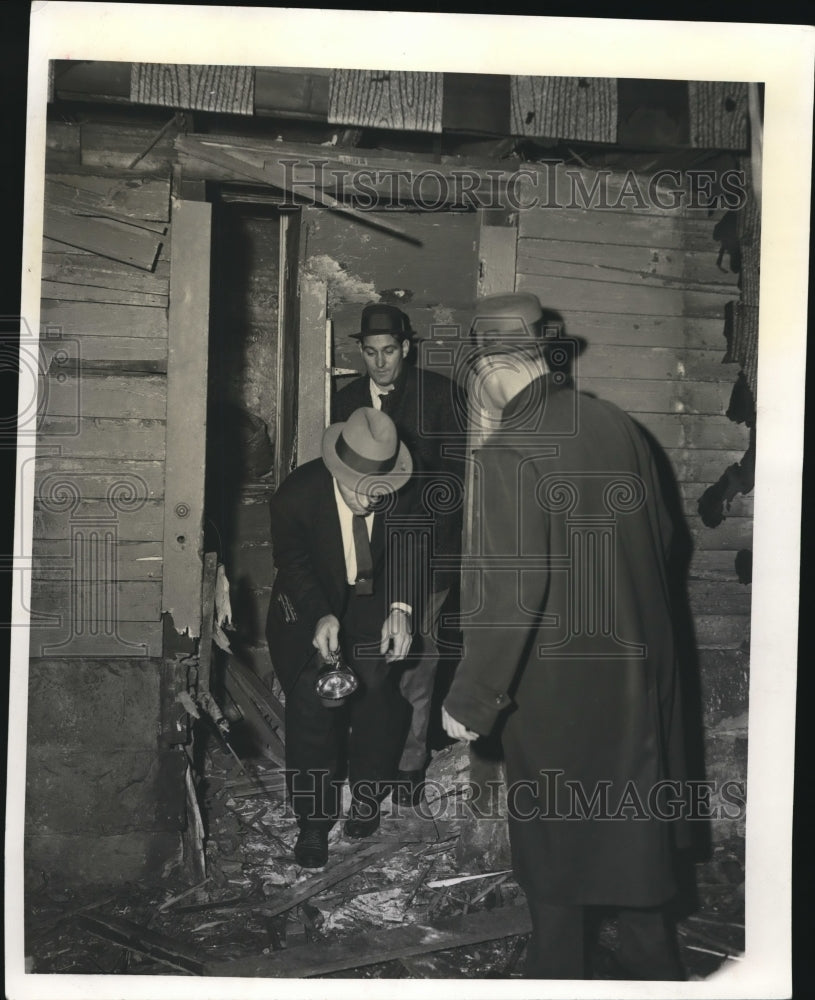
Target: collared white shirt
{"x": 347, "y": 529}
{"x": 349, "y": 549}
{"x": 376, "y": 394}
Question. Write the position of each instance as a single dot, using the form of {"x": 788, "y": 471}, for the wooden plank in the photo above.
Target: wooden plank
{"x": 598, "y": 361}
{"x": 207, "y": 619}
{"x": 719, "y": 597}
{"x": 564, "y": 107}
{"x": 133, "y": 560}
{"x": 700, "y": 464}
{"x": 609, "y": 228}
{"x": 63, "y": 291}
{"x": 116, "y": 146}
{"x": 72, "y": 319}
{"x": 229, "y": 89}
{"x": 89, "y": 269}
{"x": 713, "y": 565}
{"x": 61, "y": 481}
{"x": 288, "y": 342}
{"x": 159, "y": 947}
{"x": 116, "y": 240}
{"x": 740, "y": 506}
{"x": 288, "y": 92}
{"x": 606, "y": 297}
{"x": 142, "y": 198}
{"x": 136, "y": 639}
{"x": 311, "y": 368}
{"x": 697, "y": 333}
{"x": 688, "y": 430}
{"x": 275, "y": 174}
{"x": 81, "y": 201}
{"x": 607, "y": 272}
{"x": 722, "y": 631}
{"x": 146, "y": 524}
{"x": 83, "y": 353}
{"x": 732, "y": 534}
{"x": 95, "y": 437}
{"x": 659, "y": 396}
{"x": 260, "y": 694}
{"x": 636, "y": 262}
{"x": 718, "y": 114}
{"x": 142, "y": 397}
{"x": 257, "y": 724}
{"x": 97, "y": 600}
{"x": 496, "y": 259}
{"x": 373, "y": 947}
{"x": 389, "y": 99}
{"x": 186, "y": 414}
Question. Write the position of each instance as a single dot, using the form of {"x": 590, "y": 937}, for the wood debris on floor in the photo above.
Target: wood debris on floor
{"x": 392, "y": 906}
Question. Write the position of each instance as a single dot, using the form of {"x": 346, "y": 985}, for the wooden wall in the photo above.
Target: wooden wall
{"x": 98, "y": 508}
{"x": 105, "y": 798}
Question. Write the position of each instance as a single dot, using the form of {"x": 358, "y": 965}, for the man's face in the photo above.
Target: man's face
{"x": 358, "y": 501}
{"x": 384, "y": 356}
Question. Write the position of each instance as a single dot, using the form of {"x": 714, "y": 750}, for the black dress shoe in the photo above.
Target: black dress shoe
{"x": 311, "y": 849}
{"x": 408, "y": 789}
{"x": 361, "y": 822}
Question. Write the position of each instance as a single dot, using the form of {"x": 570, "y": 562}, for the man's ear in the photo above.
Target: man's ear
{"x": 405, "y": 347}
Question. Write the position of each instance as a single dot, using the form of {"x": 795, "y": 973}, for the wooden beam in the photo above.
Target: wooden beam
{"x": 157, "y": 946}
{"x": 273, "y": 172}
{"x": 379, "y": 946}
{"x": 119, "y": 241}
{"x": 186, "y": 414}
{"x": 312, "y": 372}
{"x": 386, "y": 99}
{"x": 564, "y": 107}
{"x": 228, "y": 89}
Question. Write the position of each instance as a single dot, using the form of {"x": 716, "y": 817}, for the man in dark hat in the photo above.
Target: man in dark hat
{"x": 342, "y": 584}
{"x": 573, "y": 652}
{"x": 421, "y": 404}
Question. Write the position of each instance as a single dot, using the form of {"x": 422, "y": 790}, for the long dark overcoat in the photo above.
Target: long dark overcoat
{"x": 571, "y": 642}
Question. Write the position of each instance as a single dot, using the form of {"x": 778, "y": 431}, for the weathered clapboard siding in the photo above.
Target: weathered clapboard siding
{"x": 99, "y": 492}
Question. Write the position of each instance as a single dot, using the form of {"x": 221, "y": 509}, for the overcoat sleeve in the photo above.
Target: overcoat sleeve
{"x": 497, "y": 636}
{"x": 296, "y": 573}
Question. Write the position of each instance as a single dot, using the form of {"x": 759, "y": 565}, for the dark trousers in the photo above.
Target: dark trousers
{"x": 557, "y": 945}
{"x": 366, "y": 733}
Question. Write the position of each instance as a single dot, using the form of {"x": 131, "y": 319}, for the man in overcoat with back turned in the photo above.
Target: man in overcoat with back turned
{"x": 422, "y": 405}
{"x": 344, "y": 581}
{"x": 572, "y": 647}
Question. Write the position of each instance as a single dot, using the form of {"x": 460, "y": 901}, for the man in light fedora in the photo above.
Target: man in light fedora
{"x": 341, "y": 584}
{"x": 422, "y": 405}
{"x": 571, "y": 654}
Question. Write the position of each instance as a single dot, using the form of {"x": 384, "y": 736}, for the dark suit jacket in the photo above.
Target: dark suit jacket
{"x": 310, "y": 579}
{"x": 574, "y": 629}
{"x": 422, "y": 405}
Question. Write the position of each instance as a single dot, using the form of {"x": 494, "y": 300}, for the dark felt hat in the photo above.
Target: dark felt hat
{"x": 379, "y": 318}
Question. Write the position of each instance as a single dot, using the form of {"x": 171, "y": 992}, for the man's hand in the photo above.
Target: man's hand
{"x": 326, "y": 635}
{"x": 396, "y": 635}
{"x": 455, "y": 729}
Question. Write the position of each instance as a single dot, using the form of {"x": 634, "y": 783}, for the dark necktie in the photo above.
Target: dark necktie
{"x": 384, "y": 401}
{"x": 365, "y": 567}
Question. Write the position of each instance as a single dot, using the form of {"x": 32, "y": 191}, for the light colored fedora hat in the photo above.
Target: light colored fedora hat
{"x": 364, "y": 452}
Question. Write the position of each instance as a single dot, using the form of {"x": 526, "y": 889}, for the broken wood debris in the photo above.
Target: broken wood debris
{"x": 379, "y": 946}
{"x": 456, "y": 879}
{"x": 157, "y": 946}
{"x": 274, "y": 174}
